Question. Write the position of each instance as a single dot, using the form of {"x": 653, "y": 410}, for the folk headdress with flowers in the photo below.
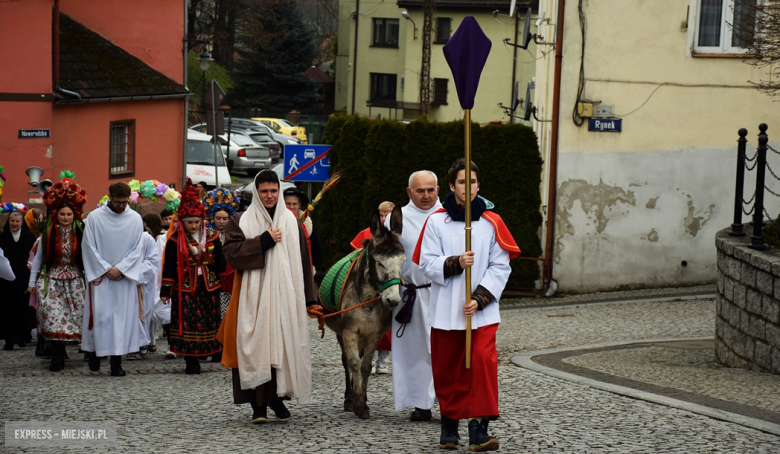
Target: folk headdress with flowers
{"x": 219, "y": 199}
{"x": 66, "y": 191}
{"x": 190, "y": 206}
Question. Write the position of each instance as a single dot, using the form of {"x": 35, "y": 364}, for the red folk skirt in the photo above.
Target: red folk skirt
{"x": 465, "y": 393}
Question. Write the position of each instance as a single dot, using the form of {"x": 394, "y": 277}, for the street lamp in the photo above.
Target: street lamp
{"x": 405, "y": 15}
{"x": 205, "y": 58}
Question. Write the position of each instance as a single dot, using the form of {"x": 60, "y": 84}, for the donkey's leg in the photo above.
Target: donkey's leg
{"x": 355, "y": 364}
{"x": 365, "y": 370}
{"x": 348, "y": 387}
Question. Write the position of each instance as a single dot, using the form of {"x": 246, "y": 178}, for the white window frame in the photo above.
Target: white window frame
{"x": 726, "y": 31}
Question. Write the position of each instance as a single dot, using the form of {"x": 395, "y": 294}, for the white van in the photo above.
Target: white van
{"x": 200, "y": 160}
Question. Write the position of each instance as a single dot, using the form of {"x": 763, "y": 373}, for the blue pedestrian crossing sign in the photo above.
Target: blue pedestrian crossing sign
{"x": 306, "y": 163}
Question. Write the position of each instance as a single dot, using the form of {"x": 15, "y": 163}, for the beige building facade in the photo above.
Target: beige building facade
{"x": 640, "y": 207}
{"x": 380, "y": 76}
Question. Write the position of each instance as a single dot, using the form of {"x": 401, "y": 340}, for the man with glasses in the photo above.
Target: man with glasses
{"x": 112, "y": 254}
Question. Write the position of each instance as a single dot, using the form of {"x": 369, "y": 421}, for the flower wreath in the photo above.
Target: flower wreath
{"x": 10, "y": 206}
{"x": 219, "y": 199}
{"x": 66, "y": 191}
{"x": 152, "y": 190}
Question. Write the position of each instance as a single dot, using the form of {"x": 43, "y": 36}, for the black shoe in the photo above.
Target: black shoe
{"x": 8, "y": 346}
{"x": 117, "y": 371}
{"x": 281, "y": 412}
{"x": 57, "y": 364}
{"x": 216, "y": 357}
{"x": 94, "y": 362}
{"x": 193, "y": 365}
{"x": 259, "y": 414}
{"x": 479, "y": 440}
{"x": 421, "y": 415}
{"x": 39, "y": 346}
{"x": 449, "y": 433}
{"x": 22, "y": 344}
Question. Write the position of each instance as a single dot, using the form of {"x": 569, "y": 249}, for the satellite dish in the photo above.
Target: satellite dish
{"x": 528, "y": 108}
{"x": 527, "y": 36}
{"x": 515, "y": 92}
{"x": 512, "y": 8}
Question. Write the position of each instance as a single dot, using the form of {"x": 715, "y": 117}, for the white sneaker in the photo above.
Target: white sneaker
{"x": 170, "y": 355}
{"x": 382, "y": 368}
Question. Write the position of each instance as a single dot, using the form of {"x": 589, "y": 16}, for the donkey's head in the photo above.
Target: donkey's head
{"x": 385, "y": 257}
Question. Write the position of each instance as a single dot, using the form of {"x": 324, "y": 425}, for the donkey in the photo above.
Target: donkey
{"x": 377, "y": 271}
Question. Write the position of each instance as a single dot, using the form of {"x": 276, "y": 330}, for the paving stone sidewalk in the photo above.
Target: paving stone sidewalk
{"x": 160, "y": 409}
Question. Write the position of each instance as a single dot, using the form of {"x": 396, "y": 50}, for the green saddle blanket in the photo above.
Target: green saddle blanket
{"x": 333, "y": 283}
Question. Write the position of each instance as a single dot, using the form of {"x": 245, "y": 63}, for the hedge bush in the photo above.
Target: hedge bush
{"x": 376, "y": 157}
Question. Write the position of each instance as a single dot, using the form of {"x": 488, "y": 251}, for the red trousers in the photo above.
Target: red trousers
{"x": 385, "y": 343}
{"x": 465, "y": 393}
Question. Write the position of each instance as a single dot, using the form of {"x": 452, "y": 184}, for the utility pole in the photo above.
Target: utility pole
{"x": 425, "y": 72}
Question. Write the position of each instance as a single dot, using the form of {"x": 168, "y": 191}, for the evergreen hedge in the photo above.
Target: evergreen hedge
{"x": 376, "y": 157}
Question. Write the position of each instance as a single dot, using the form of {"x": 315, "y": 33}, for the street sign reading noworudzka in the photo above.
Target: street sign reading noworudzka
{"x": 306, "y": 163}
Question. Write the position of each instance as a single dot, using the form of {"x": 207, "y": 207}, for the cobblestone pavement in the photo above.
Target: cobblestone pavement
{"x": 160, "y": 409}
{"x": 691, "y": 370}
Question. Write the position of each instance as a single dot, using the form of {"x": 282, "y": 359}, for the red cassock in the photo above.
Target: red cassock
{"x": 465, "y": 393}
{"x": 356, "y": 244}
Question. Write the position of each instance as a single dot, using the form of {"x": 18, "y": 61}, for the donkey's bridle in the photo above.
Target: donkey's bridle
{"x": 386, "y": 285}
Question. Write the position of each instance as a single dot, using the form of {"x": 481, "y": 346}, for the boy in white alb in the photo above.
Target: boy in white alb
{"x": 465, "y": 393}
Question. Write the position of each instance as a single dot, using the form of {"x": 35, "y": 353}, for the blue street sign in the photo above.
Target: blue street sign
{"x": 605, "y": 124}
{"x": 306, "y": 163}
{"x": 34, "y": 133}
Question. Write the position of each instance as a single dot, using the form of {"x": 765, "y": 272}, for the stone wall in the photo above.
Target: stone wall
{"x": 747, "y": 328}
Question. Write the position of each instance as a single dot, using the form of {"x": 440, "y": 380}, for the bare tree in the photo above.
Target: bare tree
{"x": 756, "y": 28}
{"x": 323, "y": 17}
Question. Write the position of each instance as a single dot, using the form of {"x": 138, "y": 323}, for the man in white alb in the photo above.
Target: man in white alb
{"x": 113, "y": 255}
{"x": 412, "y": 375}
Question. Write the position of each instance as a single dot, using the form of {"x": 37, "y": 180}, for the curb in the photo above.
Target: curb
{"x": 661, "y": 299}
{"x": 525, "y": 360}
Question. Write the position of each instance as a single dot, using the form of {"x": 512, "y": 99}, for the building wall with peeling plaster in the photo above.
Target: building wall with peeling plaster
{"x": 632, "y": 206}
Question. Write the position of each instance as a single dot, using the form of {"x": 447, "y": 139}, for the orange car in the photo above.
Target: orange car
{"x": 285, "y": 127}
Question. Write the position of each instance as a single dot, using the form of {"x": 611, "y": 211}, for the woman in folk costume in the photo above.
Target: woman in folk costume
{"x": 57, "y": 273}
{"x": 17, "y": 318}
{"x": 193, "y": 263}
{"x": 265, "y": 332}
{"x": 220, "y": 204}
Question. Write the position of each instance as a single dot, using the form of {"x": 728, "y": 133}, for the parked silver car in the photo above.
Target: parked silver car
{"x": 261, "y": 138}
{"x": 245, "y": 155}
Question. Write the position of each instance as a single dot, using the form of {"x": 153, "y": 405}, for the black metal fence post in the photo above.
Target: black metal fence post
{"x": 737, "y": 227}
{"x": 757, "y": 240}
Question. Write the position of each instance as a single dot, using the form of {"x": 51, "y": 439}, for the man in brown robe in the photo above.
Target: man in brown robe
{"x": 265, "y": 330}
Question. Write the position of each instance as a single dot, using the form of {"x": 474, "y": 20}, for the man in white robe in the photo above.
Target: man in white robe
{"x": 151, "y": 269}
{"x": 412, "y": 375}
{"x": 113, "y": 255}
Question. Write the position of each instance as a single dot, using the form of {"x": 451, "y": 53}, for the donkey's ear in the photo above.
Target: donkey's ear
{"x": 397, "y": 220}
{"x": 378, "y": 230}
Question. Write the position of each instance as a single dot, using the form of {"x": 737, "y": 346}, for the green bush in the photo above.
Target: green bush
{"x": 376, "y": 157}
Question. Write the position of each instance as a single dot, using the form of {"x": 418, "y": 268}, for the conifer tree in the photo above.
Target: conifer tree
{"x": 279, "y": 47}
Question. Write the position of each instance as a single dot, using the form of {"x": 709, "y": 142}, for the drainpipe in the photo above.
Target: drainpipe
{"x": 553, "y": 163}
{"x": 186, "y": 98}
{"x": 56, "y": 44}
{"x": 514, "y": 67}
{"x": 354, "y": 57}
